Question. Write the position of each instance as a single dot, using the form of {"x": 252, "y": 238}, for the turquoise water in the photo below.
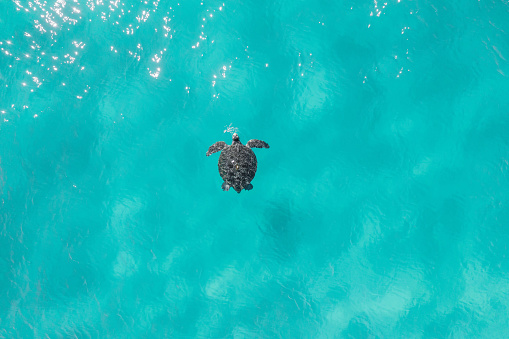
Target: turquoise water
{"x": 380, "y": 209}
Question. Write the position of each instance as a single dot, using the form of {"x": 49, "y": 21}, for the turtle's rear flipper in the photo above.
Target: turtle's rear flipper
{"x": 248, "y": 187}
{"x": 225, "y": 186}
{"x": 218, "y": 146}
{"x": 257, "y": 143}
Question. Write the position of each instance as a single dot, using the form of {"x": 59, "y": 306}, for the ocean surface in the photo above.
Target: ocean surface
{"x": 380, "y": 210}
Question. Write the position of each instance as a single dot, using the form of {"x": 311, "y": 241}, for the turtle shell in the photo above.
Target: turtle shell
{"x": 237, "y": 166}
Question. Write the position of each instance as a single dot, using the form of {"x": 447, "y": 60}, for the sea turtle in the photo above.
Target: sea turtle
{"x": 237, "y": 162}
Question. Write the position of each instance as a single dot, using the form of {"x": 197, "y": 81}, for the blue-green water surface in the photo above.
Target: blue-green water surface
{"x": 380, "y": 210}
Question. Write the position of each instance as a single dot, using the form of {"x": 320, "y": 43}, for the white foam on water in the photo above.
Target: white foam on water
{"x": 230, "y": 129}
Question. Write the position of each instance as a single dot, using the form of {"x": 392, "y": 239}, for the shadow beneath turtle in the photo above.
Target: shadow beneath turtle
{"x": 281, "y": 233}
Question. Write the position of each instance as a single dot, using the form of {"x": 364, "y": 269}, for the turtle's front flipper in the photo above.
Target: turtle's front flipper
{"x": 248, "y": 187}
{"x": 225, "y": 186}
{"x": 257, "y": 143}
{"x": 218, "y": 146}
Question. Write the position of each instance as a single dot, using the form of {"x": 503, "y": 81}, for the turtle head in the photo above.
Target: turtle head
{"x": 235, "y": 137}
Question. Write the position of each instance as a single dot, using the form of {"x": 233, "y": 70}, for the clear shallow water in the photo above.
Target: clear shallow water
{"x": 380, "y": 210}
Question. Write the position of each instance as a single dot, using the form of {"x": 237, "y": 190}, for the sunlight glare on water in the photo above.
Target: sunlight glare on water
{"x": 380, "y": 209}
